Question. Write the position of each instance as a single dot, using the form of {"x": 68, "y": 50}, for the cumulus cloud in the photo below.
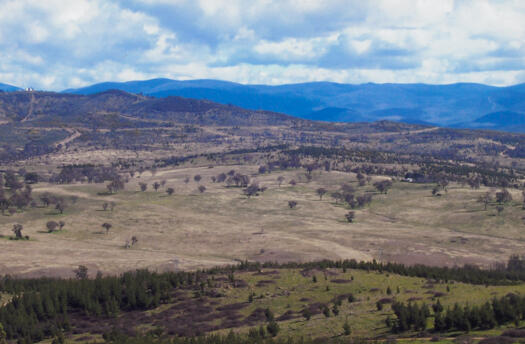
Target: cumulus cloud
{"x": 56, "y": 44}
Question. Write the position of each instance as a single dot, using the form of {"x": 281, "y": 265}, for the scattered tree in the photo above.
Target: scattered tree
{"x": 503, "y": 196}
{"x": 51, "y": 226}
{"x": 350, "y": 216}
{"x": 81, "y": 272}
{"x": 156, "y": 186}
{"x": 107, "y": 226}
{"x": 383, "y": 186}
{"x": 60, "y": 206}
{"x": 292, "y": 204}
{"x": 321, "y": 192}
{"x": 346, "y": 329}
{"x": 17, "y": 229}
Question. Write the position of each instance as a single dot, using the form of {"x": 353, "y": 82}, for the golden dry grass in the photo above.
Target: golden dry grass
{"x": 190, "y": 229}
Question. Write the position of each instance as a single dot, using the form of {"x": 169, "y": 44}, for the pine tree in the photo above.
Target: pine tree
{"x": 273, "y": 328}
{"x": 346, "y": 329}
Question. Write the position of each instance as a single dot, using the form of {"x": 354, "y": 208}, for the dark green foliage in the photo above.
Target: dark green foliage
{"x": 346, "y": 329}
{"x": 273, "y": 328}
{"x": 326, "y": 311}
{"x": 40, "y": 307}
{"x": 500, "y": 311}
{"x": 379, "y": 305}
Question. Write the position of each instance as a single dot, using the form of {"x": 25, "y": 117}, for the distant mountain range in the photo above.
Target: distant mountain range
{"x": 460, "y": 105}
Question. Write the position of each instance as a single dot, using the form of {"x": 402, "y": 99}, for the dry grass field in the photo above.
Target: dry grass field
{"x": 221, "y": 225}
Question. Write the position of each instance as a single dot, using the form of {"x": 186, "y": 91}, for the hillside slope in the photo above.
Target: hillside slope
{"x": 48, "y": 107}
{"x": 446, "y": 105}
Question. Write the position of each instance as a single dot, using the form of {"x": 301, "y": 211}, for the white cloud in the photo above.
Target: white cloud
{"x": 57, "y": 44}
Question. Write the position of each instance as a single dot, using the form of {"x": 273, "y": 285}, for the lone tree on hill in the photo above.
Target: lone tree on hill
{"x": 107, "y": 226}
{"x": 321, "y": 192}
{"x": 51, "y": 226}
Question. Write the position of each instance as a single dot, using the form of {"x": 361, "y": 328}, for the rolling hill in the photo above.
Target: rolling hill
{"x": 118, "y": 108}
{"x": 445, "y": 105}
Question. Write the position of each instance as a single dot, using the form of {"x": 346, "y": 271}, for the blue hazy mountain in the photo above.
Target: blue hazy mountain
{"x": 457, "y": 105}
{"x": 8, "y": 88}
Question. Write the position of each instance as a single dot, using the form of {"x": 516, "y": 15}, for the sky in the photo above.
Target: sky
{"x": 59, "y": 44}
